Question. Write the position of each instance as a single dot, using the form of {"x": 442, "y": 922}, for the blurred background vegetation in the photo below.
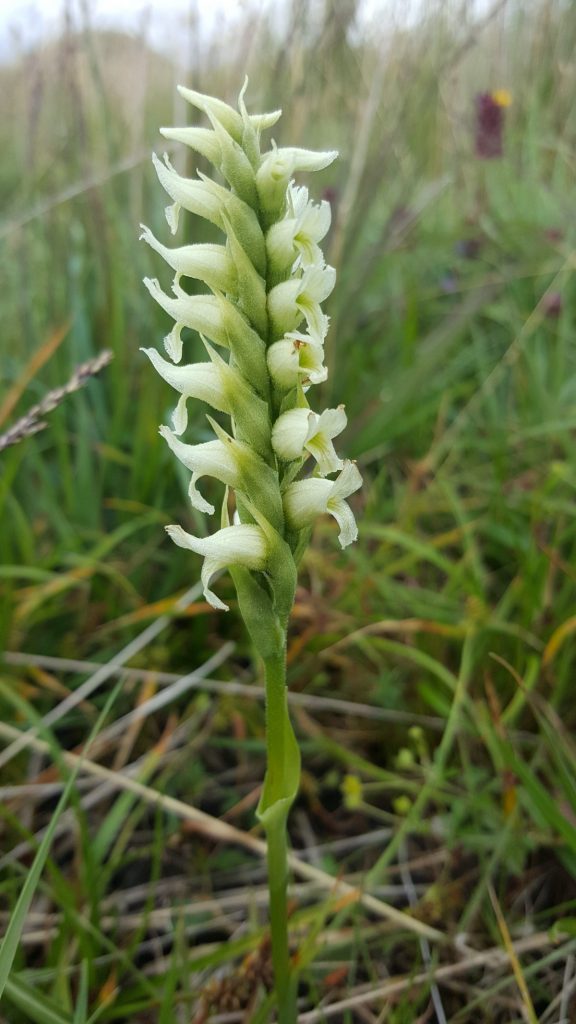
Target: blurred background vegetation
{"x": 452, "y": 789}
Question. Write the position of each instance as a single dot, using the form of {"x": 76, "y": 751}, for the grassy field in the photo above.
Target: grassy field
{"x": 432, "y": 664}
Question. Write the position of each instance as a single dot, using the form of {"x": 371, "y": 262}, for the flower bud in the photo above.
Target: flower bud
{"x": 235, "y": 165}
{"x": 229, "y": 118}
{"x": 202, "y": 140}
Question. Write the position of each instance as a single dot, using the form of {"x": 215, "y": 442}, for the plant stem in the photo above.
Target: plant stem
{"x": 277, "y": 729}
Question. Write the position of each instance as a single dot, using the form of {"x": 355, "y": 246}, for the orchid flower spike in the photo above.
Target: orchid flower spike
{"x": 260, "y": 316}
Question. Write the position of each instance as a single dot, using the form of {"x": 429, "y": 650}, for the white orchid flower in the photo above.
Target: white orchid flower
{"x": 226, "y": 459}
{"x": 267, "y": 284}
{"x": 283, "y": 162}
{"x": 233, "y": 545}
{"x": 301, "y": 430}
{"x": 275, "y": 171}
{"x": 202, "y": 313}
{"x": 209, "y": 382}
{"x": 297, "y": 357}
{"x": 298, "y": 234}
{"x": 212, "y": 316}
{"x": 217, "y": 458}
{"x": 305, "y": 500}
{"x": 291, "y": 301}
{"x": 192, "y": 194}
{"x": 204, "y": 262}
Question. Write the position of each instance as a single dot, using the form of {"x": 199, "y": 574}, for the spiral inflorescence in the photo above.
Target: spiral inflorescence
{"x": 263, "y": 329}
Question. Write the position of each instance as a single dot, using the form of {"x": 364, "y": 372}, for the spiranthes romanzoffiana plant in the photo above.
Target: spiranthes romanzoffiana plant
{"x": 263, "y": 330}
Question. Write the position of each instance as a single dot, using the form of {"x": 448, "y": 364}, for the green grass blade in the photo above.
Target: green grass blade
{"x": 36, "y": 1007}
{"x": 11, "y": 939}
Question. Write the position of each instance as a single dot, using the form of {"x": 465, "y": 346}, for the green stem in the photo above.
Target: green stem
{"x": 278, "y": 785}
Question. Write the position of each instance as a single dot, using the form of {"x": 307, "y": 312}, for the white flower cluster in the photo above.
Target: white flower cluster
{"x": 263, "y": 329}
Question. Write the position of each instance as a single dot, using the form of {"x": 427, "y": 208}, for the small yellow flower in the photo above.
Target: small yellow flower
{"x": 352, "y": 792}
{"x": 402, "y": 806}
{"x": 502, "y": 97}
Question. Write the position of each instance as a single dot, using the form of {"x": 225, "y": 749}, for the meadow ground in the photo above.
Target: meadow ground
{"x": 431, "y": 665}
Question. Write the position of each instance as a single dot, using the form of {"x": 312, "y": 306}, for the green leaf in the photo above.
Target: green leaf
{"x": 278, "y": 796}
{"x": 36, "y": 1007}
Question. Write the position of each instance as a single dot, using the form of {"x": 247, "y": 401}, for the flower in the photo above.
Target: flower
{"x": 233, "y": 545}
{"x": 210, "y": 382}
{"x": 214, "y": 203}
{"x": 204, "y": 262}
{"x": 217, "y": 458}
{"x": 276, "y": 169}
{"x": 291, "y": 301}
{"x": 296, "y": 357}
{"x": 305, "y": 500}
{"x": 298, "y": 234}
{"x": 490, "y": 108}
{"x": 301, "y": 430}
{"x": 199, "y": 312}
{"x": 230, "y": 461}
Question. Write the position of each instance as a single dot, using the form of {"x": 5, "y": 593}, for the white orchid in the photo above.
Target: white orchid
{"x": 233, "y": 545}
{"x": 298, "y": 234}
{"x": 199, "y": 312}
{"x": 301, "y": 430}
{"x": 296, "y": 358}
{"x": 226, "y": 459}
{"x": 204, "y": 262}
{"x": 265, "y": 283}
{"x": 275, "y": 172}
{"x": 217, "y": 458}
{"x": 305, "y": 500}
{"x": 209, "y": 382}
{"x": 299, "y": 297}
